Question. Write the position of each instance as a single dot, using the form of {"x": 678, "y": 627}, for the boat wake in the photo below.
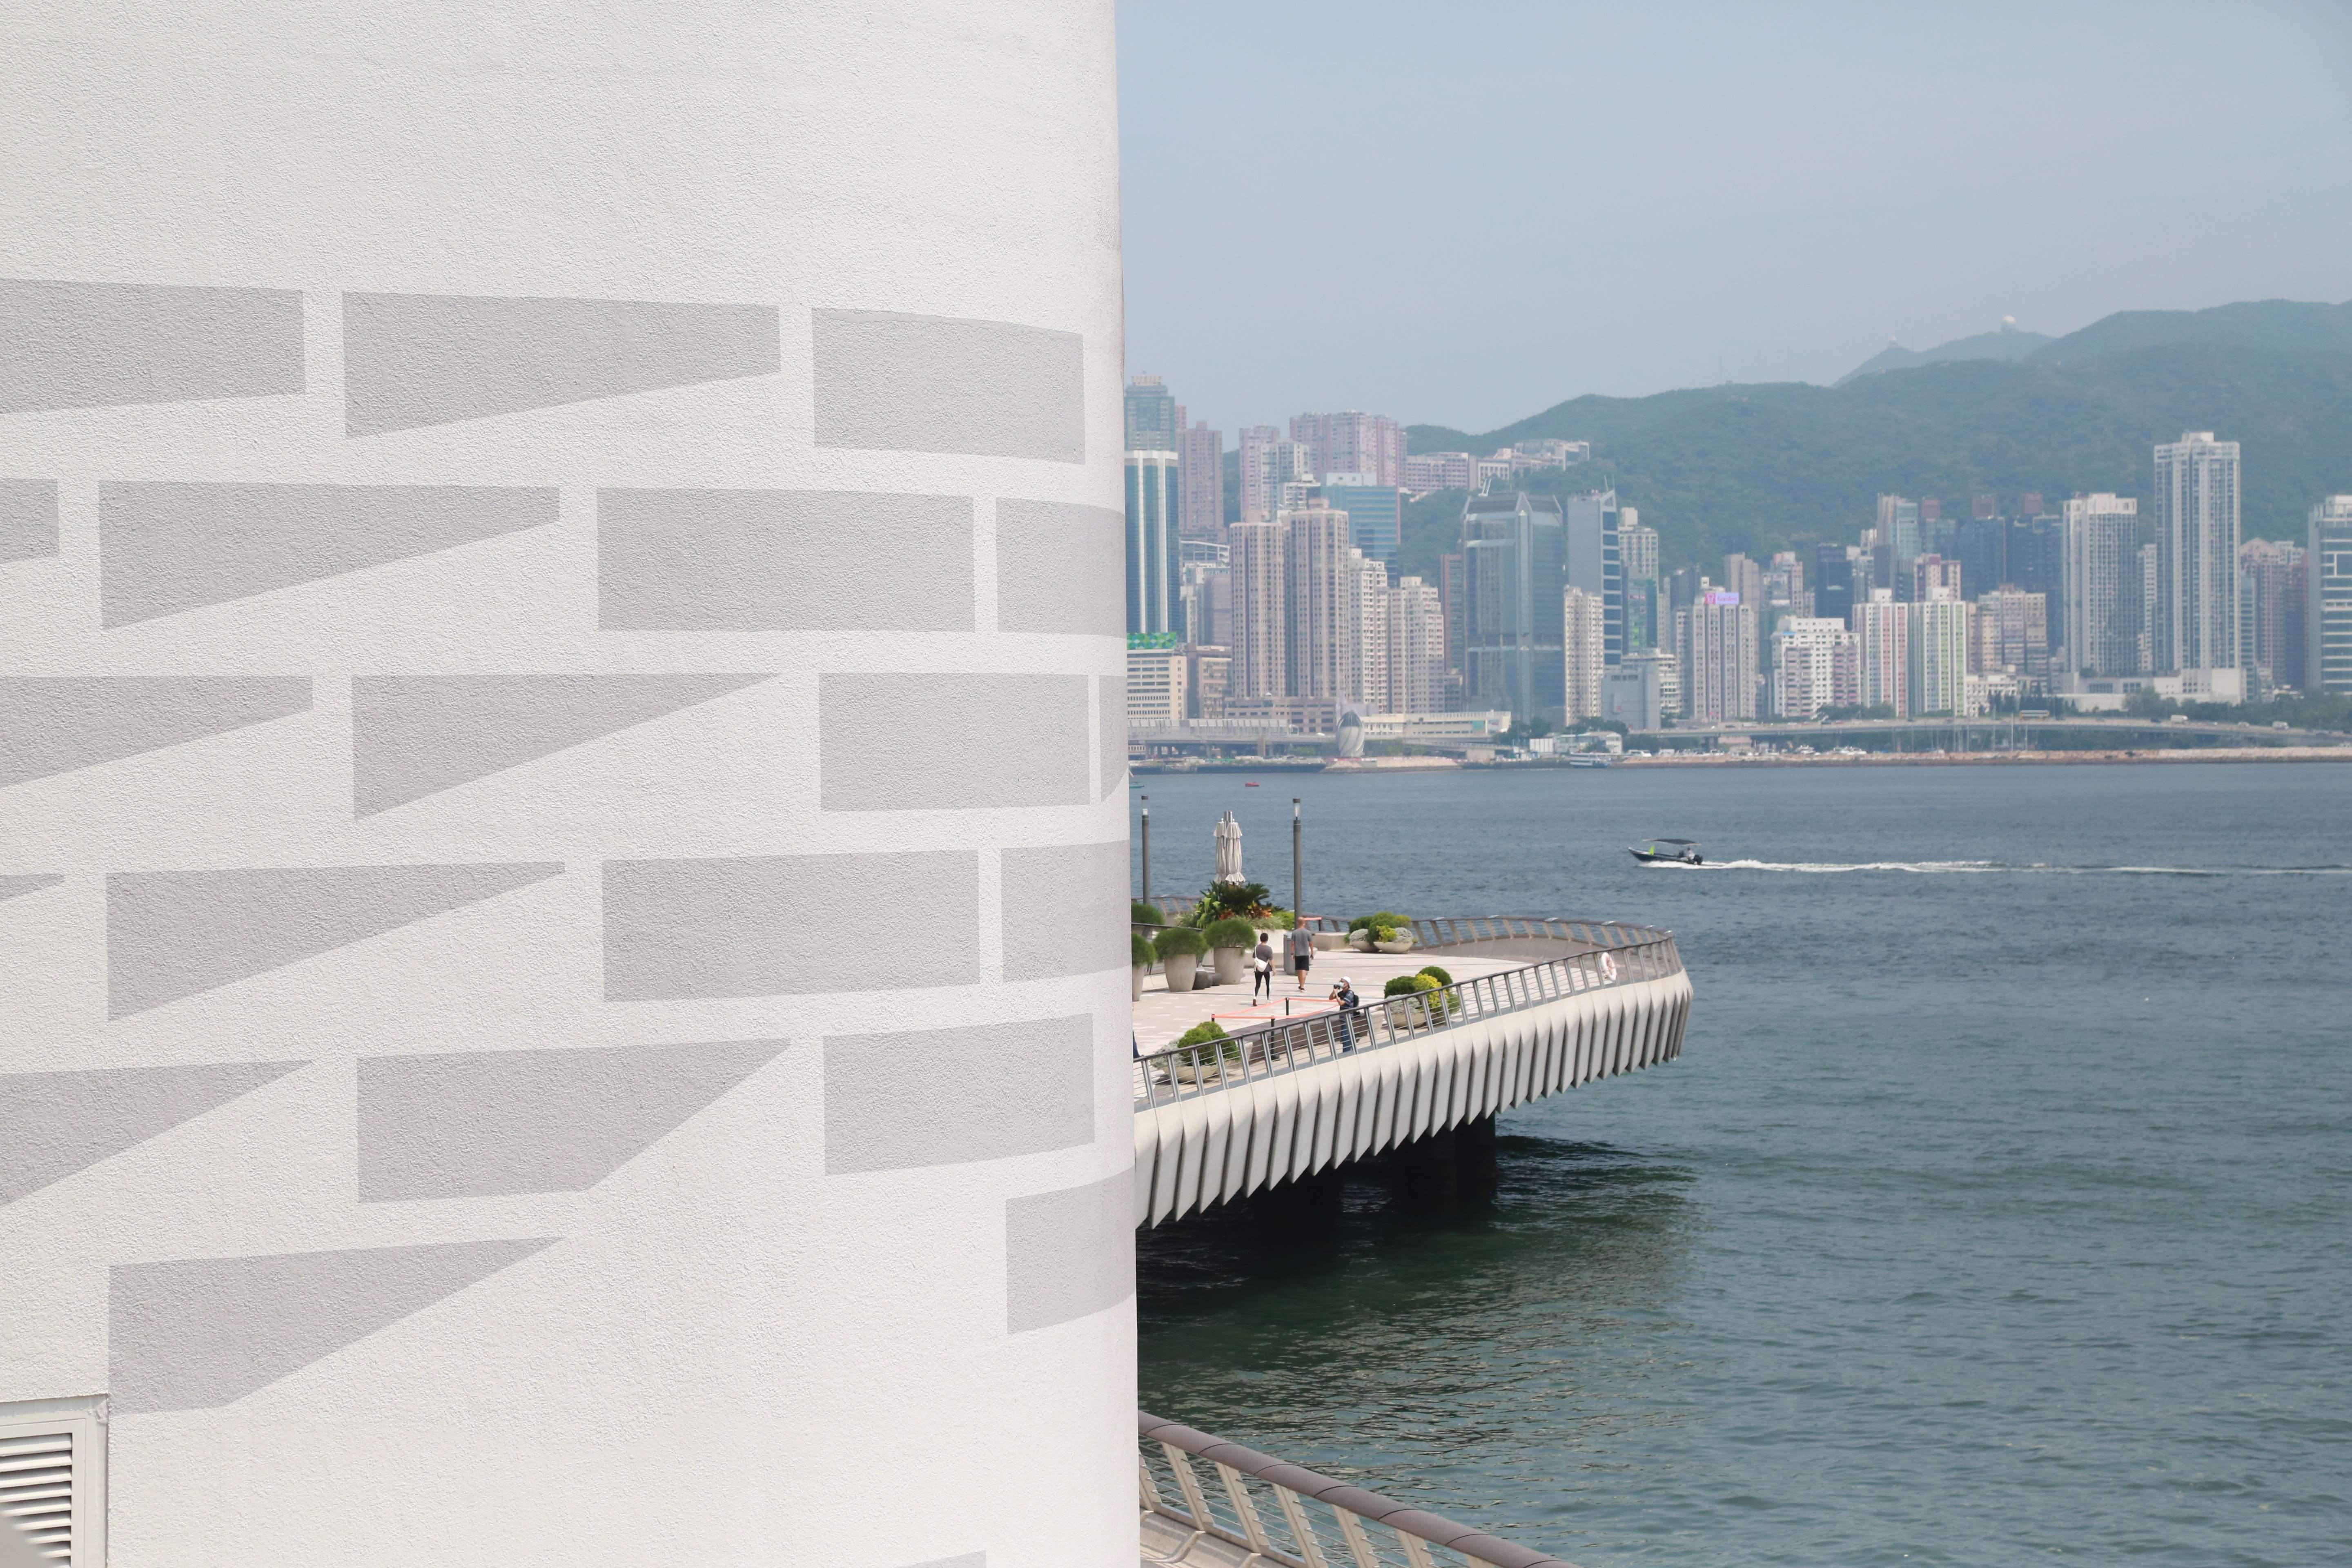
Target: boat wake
{"x": 1995, "y": 868}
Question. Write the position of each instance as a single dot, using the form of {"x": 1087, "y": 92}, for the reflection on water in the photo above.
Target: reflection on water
{"x": 1287, "y": 1322}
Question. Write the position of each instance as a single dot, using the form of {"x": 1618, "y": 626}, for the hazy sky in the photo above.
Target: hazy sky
{"x": 1463, "y": 213}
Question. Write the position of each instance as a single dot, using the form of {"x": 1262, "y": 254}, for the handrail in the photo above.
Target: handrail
{"x": 1183, "y": 1072}
{"x": 1290, "y": 1535}
{"x": 1458, "y": 932}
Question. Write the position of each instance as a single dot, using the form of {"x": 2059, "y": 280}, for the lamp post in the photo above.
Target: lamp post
{"x": 1297, "y": 863}
{"x": 1147, "y": 848}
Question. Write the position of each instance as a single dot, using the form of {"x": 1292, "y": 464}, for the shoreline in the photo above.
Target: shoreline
{"x": 1274, "y": 765}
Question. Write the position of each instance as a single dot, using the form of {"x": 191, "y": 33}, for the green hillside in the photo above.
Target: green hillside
{"x": 1761, "y": 468}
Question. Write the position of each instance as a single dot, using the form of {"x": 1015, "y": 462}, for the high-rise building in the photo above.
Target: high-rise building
{"x": 1816, "y": 665}
{"x": 1373, "y": 673}
{"x": 1637, "y": 545}
{"x": 1938, "y": 654}
{"x": 1784, "y": 583}
{"x": 1981, "y": 507}
{"x": 1201, "y": 483}
{"x": 1833, "y": 583}
{"x": 1934, "y": 573}
{"x": 1716, "y": 649}
{"x": 2034, "y": 558}
{"x": 1881, "y": 630}
{"x": 1416, "y": 656}
{"x": 1154, "y": 564}
{"x": 1320, "y": 590}
{"x": 1514, "y": 559}
{"x": 1375, "y": 512}
{"x": 2101, "y": 621}
{"x": 1584, "y": 658}
{"x": 1899, "y": 531}
{"x": 1980, "y": 545}
{"x": 1453, "y": 599}
{"x": 1425, "y": 471}
{"x": 1746, "y": 578}
{"x": 2271, "y": 595}
{"x": 1208, "y": 672}
{"x": 1260, "y": 644}
{"x": 2197, "y": 555}
{"x": 1594, "y": 562}
{"x": 1352, "y": 442}
{"x": 2029, "y": 503}
{"x": 1153, "y": 423}
{"x": 2009, "y": 635}
{"x": 1156, "y": 685}
{"x": 2327, "y": 612}
{"x": 1270, "y": 459}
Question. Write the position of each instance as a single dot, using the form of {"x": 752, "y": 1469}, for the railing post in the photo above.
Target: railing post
{"x": 1196, "y": 1506}
{"x": 1244, "y": 1506}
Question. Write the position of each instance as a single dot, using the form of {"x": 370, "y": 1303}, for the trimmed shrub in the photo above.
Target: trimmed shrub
{"x": 1437, "y": 974}
{"x": 1202, "y": 1033}
{"x": 1232, "y": 933}
{"x": 1382, "y": 933}
{"x": 1180, "y": 939}
{"x": 1402, "y": 985}
{"x": 1139, "y": 945}
{"x": 1383, "y": 918}
{"x": 1279, "y": 920}
{"x": 1143, "y": 914}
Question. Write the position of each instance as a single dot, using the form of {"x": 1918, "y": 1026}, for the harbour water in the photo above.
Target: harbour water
{"x": 1999, "y": 1208}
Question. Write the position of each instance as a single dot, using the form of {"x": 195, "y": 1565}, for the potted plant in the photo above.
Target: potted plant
{"x": 1180, "y": 949}
{"x": 1228, "y": 939}
{"x": 1367, "y": 932}
{"x": 1140, "y": 955}
{"x": 1143, "y": 914}
{"x": 1207, "y": 1065}
{"x": 1386, "y": 938}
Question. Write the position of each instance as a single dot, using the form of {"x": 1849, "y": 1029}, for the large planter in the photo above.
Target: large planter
{"x": 1359, "y": 941}
{"x": 1330, "y": 941}
{"x": 1403, "y": 944}
{"x": 1229, "y": 965}
{"x": 1177, "y": 968}
{"x": 1136, "y": 994}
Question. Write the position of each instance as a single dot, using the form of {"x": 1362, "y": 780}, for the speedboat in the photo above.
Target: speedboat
{"x": 1669, "y": 852}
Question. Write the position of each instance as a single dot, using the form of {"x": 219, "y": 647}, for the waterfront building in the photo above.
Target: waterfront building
{"x": 2009, "y": 635}
{"x": 1416, "y": 652}
{"x": 1157, "y": 687}
{"x": 1201, "y": 483}
{"x": 1153, "y": 420}
{"x": 1514, "y": 553}
{"x": 1816, "y": 663}
{"x": 1716, "y": 653}
{"x": 1352, "y": 442}
{"x": 1208, "y": 673}
{"x": 1260, "y": 638}
{"x": 1938, "y": 654}
{"x": 1584, "y": 653}
{"x": 1592, "y": 559}
{"x": 2102, "y": 590}
{"x": 1375, "y": 512}
{"x": 1427, "y": 471}
{"x": 1881, "y": 630}
{"x": 2196, "y": 508}
{"x": 2271, "y": 597}
{"x": 2327, "y": 614}
{"x": 1154, "y": 563}
{"x": 1641, "y": 689}
{"x": 482, "y": 977}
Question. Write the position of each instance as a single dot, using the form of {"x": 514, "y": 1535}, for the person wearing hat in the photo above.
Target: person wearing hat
{"x": 1345, "y": 995}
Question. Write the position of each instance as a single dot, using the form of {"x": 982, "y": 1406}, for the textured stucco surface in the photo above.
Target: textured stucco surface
{"x": 507, "y": 516}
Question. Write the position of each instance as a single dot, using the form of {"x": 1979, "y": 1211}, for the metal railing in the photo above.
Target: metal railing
{"x": 1505, "y": 928}
{"x": 1181, "y": 1072}
{"x": 1290, "y": 1515}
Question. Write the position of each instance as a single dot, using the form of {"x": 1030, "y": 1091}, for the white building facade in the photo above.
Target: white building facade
{"x": 1816, "y": 665}
{"x": 503, "y": 515}
{"x": 2327, "y": 617}
{"x": 2197, "y": 507}
{"x": 1584, "y": 652}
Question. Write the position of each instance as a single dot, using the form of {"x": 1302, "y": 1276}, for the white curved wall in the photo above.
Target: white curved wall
{"x": 560, "y": 682}
{"x": 1228, "y": 1144}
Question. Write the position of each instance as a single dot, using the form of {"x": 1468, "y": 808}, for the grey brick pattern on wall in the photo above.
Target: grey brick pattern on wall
{"x": 902, "y": 383}
{"x": 89, "y": 345}
{"x": 29, "y": 520}
{"x": 1058, "y": 568}
{"x": 944, "y": 1097}
{"x": 909, "y": 743}
{"x": 1068, "y": 1254}
{"x": 1065, "y": 906}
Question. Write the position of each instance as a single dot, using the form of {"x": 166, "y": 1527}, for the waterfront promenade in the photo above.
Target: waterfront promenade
{"x": 1162, "y": 1015}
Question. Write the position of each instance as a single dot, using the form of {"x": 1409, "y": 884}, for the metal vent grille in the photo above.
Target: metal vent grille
{"x": 53, "y": 1481}
{"x": 37, "y": 1489}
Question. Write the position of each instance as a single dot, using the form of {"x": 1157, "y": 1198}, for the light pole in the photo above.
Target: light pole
{"x": 1147, "y": 850}
{"x": 1297, "y": 863}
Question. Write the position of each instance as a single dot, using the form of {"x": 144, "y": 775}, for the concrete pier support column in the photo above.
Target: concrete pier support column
{"x": 1476, "y": 1173}
{"x": 561, "y": 781}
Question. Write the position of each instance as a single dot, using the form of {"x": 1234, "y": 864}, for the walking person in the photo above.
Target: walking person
{"x": 1262, "y": 966}
{"x": 1301, "y": 946}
